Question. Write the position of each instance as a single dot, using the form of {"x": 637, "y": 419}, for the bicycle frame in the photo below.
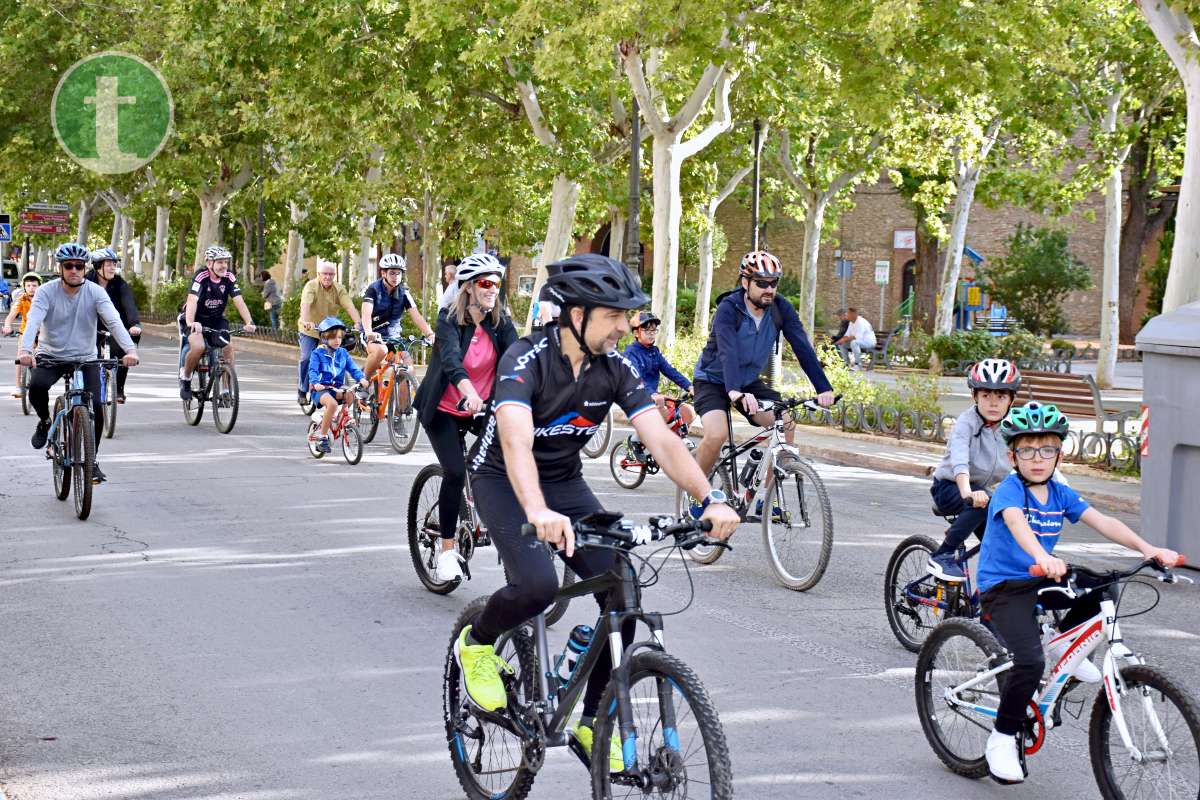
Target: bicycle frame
{"x": 773, "y": 436}
{"x": 76, "y": 395}
{"x": 966, "y": 588}
{"x": 384, "y": 387}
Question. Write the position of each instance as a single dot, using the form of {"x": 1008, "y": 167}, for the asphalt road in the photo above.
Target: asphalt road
{"x": 237, "y": 620}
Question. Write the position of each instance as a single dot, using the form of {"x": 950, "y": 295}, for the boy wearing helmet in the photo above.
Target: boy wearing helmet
{"x": 30, "y": 282}
{"x": 384, "y": 303}
{"x": 650, "y": 364}
{"x": 975, "y": 460}
{"x": 328, "y": 367}
{"x": 1025, "y": 519}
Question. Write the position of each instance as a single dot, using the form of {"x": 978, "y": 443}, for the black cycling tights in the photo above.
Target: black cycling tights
{"x": 42, "y": 380}
{"x": 533, "y": 580}
{"x": 446, "y": 434}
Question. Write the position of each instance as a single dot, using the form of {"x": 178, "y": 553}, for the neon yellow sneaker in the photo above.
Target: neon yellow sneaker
{"x": 480, "y": 667}
{"x": 584, "y": 734}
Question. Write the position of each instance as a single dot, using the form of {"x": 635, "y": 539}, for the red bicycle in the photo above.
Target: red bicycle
{"x": 342, "y": 428}
{"x": 631, "y": 462}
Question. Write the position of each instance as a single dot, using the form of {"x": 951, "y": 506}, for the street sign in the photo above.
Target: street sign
{"x": 974, "y": 298}
{"x": 842, "y": 268}
{"x": 44, "y": 216}
{"x": 56, "y": 228}
{"x": 883, "y": 271}
{"x": 5, "y": 228}
{"x": 48, "y": 207}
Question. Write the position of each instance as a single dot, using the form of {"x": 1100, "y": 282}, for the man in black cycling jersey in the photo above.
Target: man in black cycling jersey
{"x": 553, "y": 389}
{"x": 211, "y": 290}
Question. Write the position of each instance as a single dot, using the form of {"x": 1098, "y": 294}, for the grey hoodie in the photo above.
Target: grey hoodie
{"x": 68, "y": 321}
{"x": 976, "y": 449}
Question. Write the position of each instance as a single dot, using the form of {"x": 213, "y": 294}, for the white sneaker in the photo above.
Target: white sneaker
{"x": 1002, "y": 759}
{"x": 447, "y": 568}
{"x": 1086, "y": 672}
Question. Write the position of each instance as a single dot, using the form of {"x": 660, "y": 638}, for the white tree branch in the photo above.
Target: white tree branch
{"x": 842, "y": 181}
{"x": 728, "y": 188}
{"x": 722, "y": 120}
{"x": 635, "y": 70}
{"x": 785, "y": 160}
{"x": 1174, "y": 31}
{"x": 695, "y": 103}
{"x": 533, "y": 109}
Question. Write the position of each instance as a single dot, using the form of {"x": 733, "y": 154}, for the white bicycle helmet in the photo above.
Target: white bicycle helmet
{"x": 393, "y": 261}
{"x": 217, "y": 253}
{"x": 997, "y": 374}
{"x": 477, "y": 264}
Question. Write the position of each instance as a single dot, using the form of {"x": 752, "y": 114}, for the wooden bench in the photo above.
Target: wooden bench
{"x": 1077, "y": 396}
{"x": 882, "y": 352}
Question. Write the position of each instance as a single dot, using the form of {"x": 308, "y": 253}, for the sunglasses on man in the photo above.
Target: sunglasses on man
{"x": 74, "y": 266}
{"x": 764, "y": 283}
{"x": 486, "y": 283}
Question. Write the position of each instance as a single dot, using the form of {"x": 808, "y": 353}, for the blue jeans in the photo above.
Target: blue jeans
{"x": 307, "y": 345}
{"x": 274, "y": 312}
{"x": 948, "y": 500}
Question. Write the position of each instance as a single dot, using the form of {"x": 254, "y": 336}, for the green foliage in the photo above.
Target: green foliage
{"x": 141, "y": 294}
{"x": 915, "y": 392}
{"x": 518, "y": 309}
{"x": 252, "y": 294}
{"x": 1061, "y": 344}
{"x": 1156, "y": 277}
{"x": 1019, "y": 344}
{"x": 289, "y": 312}
{"x": 964, "y": 346}
{"x": 1036, "y": 275}
{"x": 171, "y": 295}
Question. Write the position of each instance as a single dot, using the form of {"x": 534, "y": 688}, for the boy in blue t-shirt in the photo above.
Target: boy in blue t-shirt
{"x": 328, "y": 367}
{"x": 1025, "y": 518}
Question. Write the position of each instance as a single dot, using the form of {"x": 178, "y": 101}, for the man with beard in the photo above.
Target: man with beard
{"x": 745, "y": 332}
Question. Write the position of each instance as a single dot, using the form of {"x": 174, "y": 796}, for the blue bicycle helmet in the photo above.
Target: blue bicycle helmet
{"x": 330, "y": 323}
{"x": 71, "y": 251}
{"x": 104, "y": 254}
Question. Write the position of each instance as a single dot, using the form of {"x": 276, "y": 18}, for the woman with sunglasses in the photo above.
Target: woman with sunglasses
{"x": 471, "y": 336}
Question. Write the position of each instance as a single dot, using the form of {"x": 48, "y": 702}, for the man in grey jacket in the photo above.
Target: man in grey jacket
{"x": 67, "y": 311}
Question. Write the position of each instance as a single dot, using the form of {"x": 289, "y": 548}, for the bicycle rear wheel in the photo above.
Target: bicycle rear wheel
{"x": 957, "y": 651}
{"x": 909, "y": 592}
{"x": 680, "y": 742}
{"x": 25, "y": 407}
{"x": 488, "y": 759}
{"x": 193, "y": 407}
{"x": 62, "y": 454}
{"x": 719, "y": 478}
{"x": 403, "y": 425}
{"x": 314, "y": 447}
{"x": 424, "y": 537}
{"x": 367, "y": 420}
{"x": 83, "y": 457}
{"x": 225, "y": 398}
{"x": 626, "y": 469}
{"x": 1170, "y": 763}
{"x": 352, "y": 444}
{"x": 799, "y": 538}
{"x": 598, "y": 443}
{"x": 109, "y": 388}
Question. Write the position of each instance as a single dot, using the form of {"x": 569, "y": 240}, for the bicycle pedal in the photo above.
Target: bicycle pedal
{"x": 575, "y": 747}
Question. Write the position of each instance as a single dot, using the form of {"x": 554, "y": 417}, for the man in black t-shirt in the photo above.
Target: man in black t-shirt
{"x": 552, "y": 390}
{"x": 211, "y": 290}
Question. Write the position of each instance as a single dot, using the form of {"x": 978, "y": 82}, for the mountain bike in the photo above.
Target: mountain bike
{"x": 630, "y": 463}
{"x": 392, "y": 391}
{"x": 916, "y": 601}
{"x": 214, "y": 381}
{"x": 343, "y": 427}
{"x": 1144, "y": 733}
{"x": 672, "y": 741}
{"x": 597, "y": 443}
{"x": 71, "y": 441}
{"x": 425, "y": 540}
{"x": 797, "y": 527}
{"x": 108, "y": 384}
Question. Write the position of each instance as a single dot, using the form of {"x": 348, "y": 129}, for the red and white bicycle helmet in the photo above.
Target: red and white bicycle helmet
{"x": 998, "y": 374}
{"x": 761, "y": 264}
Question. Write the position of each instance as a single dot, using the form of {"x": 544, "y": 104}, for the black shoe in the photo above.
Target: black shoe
{"x": 98, "y": 475}
{"x": 121, "y": 399}
{"x": 185, "y": 390}
{"x": 301, "y": 397}
{"x": 40, "y": 433}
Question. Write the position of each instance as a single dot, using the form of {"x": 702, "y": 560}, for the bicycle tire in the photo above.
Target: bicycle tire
{"x": 193, "y": 408}
{"x": 314, "y": 448}
{"x": 423, "y": 546}
{"x": 61, "y": 474}
{"x": 226, "y": 398}
{"x": 517, "y": 646}
{"x": 25, "y": 407}
{"x": 556, "y": 612}
{"x": 307, "y": 406}
{"x": 110, "y": 403}
{"x": 367, "y": 421}
{"x": 403, "y": 425}
{"x": 352, "y": 444}
{"x": 597, "y": 443}
{"x": 665, "y": 671}
{"x": 683, "y": 503}
{"x": 985, "y": 651}
{"x": 83, "y": 459}
{"x": 626, "y": 477}
{"x": 811, "y": 570}
{"x": 1181, "y": 767}
{"x": 895, "y": 578}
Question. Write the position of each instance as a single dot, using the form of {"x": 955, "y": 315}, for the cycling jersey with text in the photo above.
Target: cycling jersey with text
{"x": 212, "y": 295}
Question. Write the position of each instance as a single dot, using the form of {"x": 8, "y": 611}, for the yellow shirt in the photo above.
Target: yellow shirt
{"x": 322, "y": 303}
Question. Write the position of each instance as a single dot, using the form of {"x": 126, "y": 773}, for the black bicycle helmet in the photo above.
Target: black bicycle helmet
{"x": 594, "y": 281}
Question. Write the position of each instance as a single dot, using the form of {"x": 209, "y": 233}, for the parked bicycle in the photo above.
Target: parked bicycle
{"x": 671, "y": 737}
{"x": 631, "y": 462}
{"x": 425, "y": 540}
{"x": 392, "y": 391}
{"x": 215, "y": 382}
{"x": 108, "y": 383}
{"x": 797, "y": 525}
{"x": 1144, "y": 733}
{"x": 71, "y": 440}
{"x": 343, "y": 428}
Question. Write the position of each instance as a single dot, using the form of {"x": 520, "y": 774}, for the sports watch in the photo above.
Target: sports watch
{"x": 713, "y": 496}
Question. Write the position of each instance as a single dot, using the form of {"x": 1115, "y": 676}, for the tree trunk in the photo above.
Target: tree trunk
{"x": 668, "y": 210}
{"x": 925, "y": 298}
{"x": 366, "y": 222}
{"x": 247, "y": 224}
{"x": 704, "y": 284}
{"x": 85, "y": 221}
{"x": 616, "y": 234}
{"x": 564, "y": 196}
{"x": 180, "y": 244}
{"x": 1183, "y": 281}
{"x": 431, "y": 252}
{"x": 210, "y": 221}
{"x": 162, "y": 229}
{"x": 115, "y": 238}
{"x": 295, "y": 249}
{"x": 814, "y": 223}
{"x": 952, "y": 265}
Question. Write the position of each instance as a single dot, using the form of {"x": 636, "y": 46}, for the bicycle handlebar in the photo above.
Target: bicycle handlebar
{"x": 686, "y": 533}
{"x": 795, "y": 402}
{"x": 1110, "y": 577}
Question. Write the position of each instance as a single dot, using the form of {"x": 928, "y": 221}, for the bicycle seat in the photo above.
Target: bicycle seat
{"x": 937, "y": 512}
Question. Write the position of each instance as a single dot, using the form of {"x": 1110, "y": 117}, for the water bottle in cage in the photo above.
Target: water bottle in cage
{"x": 750, "y": 468}
{"x": 577, "y": 645}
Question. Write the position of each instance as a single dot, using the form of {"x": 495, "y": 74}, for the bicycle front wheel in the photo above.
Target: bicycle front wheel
{"x": 1163, "y": 721}
{"x": 367, "y": 420}
{"x": 109, "y": 388}
{"x": 193, "y": 407}
{"x": 62, "y": 455}
{"x": 957, "y": 651}
{"x": 225, "y": 398}
{"x": 719, "y": 478}
{"x": 403, "y": 425}
{"x": 83, "y": 457}
{"x": 489, "y": 759}
{"x": 424, "y": 536}
{"x": 680, "y": 743}
{"x": 627, "y": 470}
{"x": 25, "y": 407}
{"x": 352, "y": 444}
{"x": 598, "y": 442}
{"x": 912, "y": 598}
{"x": 797, "y": 526}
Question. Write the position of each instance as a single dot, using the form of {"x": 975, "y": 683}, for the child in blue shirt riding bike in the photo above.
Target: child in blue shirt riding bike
{"x": 1024, "y": 520}
{"x": 327, "y": 369}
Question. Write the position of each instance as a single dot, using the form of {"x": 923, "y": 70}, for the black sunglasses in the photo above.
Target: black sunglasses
{"x": 73, "y": 266}
{"x": 765, "y": 284}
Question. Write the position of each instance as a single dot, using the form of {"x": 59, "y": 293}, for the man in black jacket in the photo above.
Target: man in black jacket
{"x": 106, "y": 265}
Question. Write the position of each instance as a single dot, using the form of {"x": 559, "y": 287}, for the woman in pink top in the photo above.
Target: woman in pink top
{"x": 471, "y": 335}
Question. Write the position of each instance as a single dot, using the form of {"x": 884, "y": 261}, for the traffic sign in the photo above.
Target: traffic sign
{"x": 44, "y": 216}
{"x": 842, "y": 267}
{"x": 47, "y": 207}
{"x": 883, "y": 271}
{"x": 56, "y": 228}
{"x": 5, "y": 228}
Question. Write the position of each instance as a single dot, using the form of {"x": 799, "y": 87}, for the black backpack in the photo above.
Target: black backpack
{"x": 710, "y": 347}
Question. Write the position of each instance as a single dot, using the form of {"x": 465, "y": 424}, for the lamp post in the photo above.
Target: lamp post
{"x": 633, "y": 246}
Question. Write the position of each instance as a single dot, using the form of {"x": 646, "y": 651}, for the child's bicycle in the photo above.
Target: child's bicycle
{"x": 1144, "y": 734}
{"x": 343, "y": 427}
{"x": 630, "y": 463}
{"x": 671, "y": 739}
{"x": 915, "y": 600}
{"x": 392, "y": 391}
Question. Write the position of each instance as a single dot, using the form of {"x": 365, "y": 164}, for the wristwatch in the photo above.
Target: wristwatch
{"x": 713, "y": 496}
